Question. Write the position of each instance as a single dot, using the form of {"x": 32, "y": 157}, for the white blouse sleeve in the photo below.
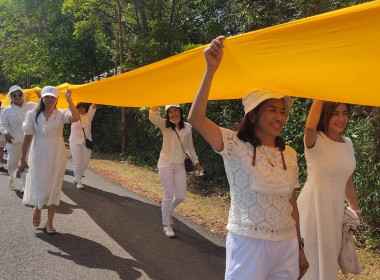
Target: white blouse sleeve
{"x": 66, "y": 114}
{"x": 190, "y": 148}
{"x": 230, "y": 142}
{"x": 158, "y": 121}
{"x": 28, "y": 124}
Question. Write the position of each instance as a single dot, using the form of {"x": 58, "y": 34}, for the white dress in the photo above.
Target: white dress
{"x": 321, "y": 204}
{"x": 47, "y": 158}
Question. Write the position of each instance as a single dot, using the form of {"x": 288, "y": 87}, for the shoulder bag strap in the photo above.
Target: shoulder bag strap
{"x": 179, "y": 139}
{"x": 82, "y": 128}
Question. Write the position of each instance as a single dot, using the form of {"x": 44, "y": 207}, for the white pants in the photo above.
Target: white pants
{"x": 81, "y": 158}
{"x": 173, "y": 181}
{"x": 14, "y": 156}
{"x": 257, "y": 259}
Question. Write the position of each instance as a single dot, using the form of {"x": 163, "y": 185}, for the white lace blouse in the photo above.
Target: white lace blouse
{"x": 260, "y": 194}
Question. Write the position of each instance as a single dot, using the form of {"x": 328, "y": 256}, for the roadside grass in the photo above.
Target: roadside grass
{"x": 210, "y": 212}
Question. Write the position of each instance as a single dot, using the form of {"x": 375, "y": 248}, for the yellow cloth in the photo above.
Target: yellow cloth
{"x": 334, "y": 56}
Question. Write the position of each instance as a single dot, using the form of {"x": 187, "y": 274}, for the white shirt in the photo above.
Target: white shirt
{"x": 260, "y": 194}
{"x": 77, "y": 135}
{"x": 171, "y": 151}
{"x": 11, "y": 120}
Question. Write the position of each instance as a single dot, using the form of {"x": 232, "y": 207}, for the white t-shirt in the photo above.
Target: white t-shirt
{"x": 260, "y": 194}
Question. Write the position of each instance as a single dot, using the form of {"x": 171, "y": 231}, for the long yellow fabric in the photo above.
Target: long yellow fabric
{"x": 333, "y": 56}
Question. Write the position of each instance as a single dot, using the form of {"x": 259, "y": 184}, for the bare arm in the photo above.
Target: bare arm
{"x": 154, "y": 109}
{"x": 351, "y": 197}
{"x": 93, "y": 106}
{"x": 38, "y": 93}
{"x": 24, "y": 151}
{"x": 197, "y": 116}
{"x": 303, "y": 263}
{"x": 312, "y": 122}
{"x": 74, "y": 111}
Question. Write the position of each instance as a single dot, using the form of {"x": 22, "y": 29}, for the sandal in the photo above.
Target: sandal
{"x": 36, "y": 217}
{"x": 51, "y": 230}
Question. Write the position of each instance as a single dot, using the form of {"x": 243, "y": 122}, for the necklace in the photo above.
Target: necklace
{"x": 282, "y": 157}
{"x": 269, "y": 160}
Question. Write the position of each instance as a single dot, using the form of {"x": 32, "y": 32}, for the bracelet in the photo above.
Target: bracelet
{"x": 357, "y": 211}
{"x": 301, "y": 244}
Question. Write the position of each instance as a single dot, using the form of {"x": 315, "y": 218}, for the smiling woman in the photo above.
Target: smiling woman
{"x": 264, "y": 240}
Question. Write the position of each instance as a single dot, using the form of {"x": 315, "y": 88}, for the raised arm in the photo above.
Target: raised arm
{"x": 75, "y": 116}
{"x": 197, "y": 116}
{"x": 312, "y": 122}
{"x": 93, "y": 106}
{"x": 38, "y": 93}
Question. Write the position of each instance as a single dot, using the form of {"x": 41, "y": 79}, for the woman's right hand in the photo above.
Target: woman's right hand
{"x": 214, "y": 53}
{"x": 22, "y": 165}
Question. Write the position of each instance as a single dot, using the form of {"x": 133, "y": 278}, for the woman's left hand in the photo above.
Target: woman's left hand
{"x": 304, "y": 264}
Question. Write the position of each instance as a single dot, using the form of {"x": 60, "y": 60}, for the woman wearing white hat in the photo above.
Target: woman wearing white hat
{"x": 80, "y": 131}
{"x": 47, "y": 159}
{"x": 177, "y": 140}
{"x": 11, "y": 127}
{"x": 264, "y": 239}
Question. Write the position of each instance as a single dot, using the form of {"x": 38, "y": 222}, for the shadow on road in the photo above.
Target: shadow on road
{"x": 136, "y": 227}
{"x": 82, "y": 252}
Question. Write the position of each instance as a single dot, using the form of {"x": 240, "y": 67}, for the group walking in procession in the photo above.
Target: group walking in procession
{"x": 272, "y": 234}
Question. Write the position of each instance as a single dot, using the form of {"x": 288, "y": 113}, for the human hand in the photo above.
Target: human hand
{"x": 68, "y": 95}
{"x": 38, "y": 92}
{"x": 303, "y": 263}
{"x": 214, "y": 52}
{"x": 8, "y": 137}
{"x": 198, "y": 167}
{"x": 22, "y": 165}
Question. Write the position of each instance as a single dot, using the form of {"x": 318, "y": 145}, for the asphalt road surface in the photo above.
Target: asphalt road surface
{"x": 104, "y": 232}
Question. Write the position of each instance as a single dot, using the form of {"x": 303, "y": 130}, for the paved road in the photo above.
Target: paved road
{"x": 105, "y": 232}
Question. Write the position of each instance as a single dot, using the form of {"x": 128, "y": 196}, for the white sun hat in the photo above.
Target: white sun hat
{"x": 253, "y": 98}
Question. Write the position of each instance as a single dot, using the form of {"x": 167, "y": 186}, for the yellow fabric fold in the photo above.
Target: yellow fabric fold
{"x": 333, "y": 56}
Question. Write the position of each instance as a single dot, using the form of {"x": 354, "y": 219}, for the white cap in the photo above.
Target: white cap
{"x": 173, "y": 105}
{"x": 13, "y": 89}
{"x": 252, "y": 99}
{"x": 50, "y": 91}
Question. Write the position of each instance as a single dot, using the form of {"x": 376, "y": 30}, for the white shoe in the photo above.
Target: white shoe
{"x": 12, "y": 183}
{"x": 80, "y": 186}
{"x": 168, "y": 231}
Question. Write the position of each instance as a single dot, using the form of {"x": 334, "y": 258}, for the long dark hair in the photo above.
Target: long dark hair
{"x": 328, "y": 109}
{"x": 40, "y": 108}
{"x": 172, "y": 125}
{"x": 246, "y": 131}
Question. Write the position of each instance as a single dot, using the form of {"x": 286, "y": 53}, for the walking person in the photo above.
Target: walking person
{"x": 47, "y": 158}
{"x": 177, "y": 140}
{"x": 81, "y": 130}
{"x": 330, "y": 163}
{"x": 264, "y": 240}
{"x": 11, "y": 120}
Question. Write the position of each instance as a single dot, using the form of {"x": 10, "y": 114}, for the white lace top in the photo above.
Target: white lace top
{"x": 260, "y": 194}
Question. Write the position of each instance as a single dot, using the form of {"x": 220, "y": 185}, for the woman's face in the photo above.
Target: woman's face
{"x": 174, "y": 114}
{"x": 49, "y": 100}
{"x": 17, "y": 97}
{"x": 339, "y": 119}
{"x": 270, "y": 118}
{"x": 82, "y": 110}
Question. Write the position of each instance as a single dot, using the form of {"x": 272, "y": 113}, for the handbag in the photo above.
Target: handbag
{"x": 189, "y": 166}
{"x": 88, "y": 142}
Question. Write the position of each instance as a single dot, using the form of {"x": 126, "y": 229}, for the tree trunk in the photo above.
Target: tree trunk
{"x": 123, "y": 126}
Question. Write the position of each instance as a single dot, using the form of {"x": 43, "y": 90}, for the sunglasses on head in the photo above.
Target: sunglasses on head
{"x": 17, "y": 94}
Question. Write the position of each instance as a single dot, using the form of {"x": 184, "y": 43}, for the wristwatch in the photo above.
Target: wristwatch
{"x": 301, "y": 245}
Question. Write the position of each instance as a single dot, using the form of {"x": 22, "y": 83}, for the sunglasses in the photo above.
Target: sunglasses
{"x": 17, "y": 95}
